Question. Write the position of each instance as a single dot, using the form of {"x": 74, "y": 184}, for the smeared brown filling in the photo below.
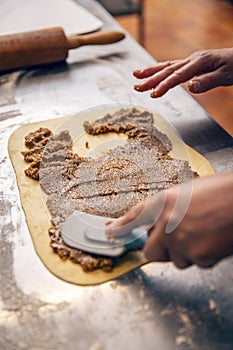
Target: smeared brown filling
{"x": 107, "y": 186}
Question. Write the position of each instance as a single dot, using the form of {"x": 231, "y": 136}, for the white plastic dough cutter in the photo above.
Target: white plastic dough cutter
{"x": 87, "y": 232}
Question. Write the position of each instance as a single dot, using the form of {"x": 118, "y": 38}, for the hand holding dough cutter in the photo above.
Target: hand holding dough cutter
{"x": 87, "y": 232}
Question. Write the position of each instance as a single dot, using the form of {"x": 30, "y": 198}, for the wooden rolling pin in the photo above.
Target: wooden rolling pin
{"x": 46, "y": 46}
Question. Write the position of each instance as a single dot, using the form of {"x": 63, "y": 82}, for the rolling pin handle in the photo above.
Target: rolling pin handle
{"x": 101, "y": 38}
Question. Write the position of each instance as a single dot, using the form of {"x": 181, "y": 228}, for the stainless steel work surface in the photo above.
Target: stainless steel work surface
{"x": 154, "y": 307}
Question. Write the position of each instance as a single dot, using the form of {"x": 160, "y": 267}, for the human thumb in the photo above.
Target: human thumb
{"x": 204, "y": 83}
{"x": 195, "y": 86}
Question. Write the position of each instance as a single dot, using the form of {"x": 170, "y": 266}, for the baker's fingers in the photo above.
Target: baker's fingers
{"x": 152, "y": 81}
{"x": 180, "y": 75}
{"x": 161, "y": 246}
{"x": 145, "y": 212}
{"x": 148, "y": 71}
{"x": 205, "y": 82}
{"x": 155, "y": 248}
{"x": 127, "y": 222}
{"x": 180, "y": 261}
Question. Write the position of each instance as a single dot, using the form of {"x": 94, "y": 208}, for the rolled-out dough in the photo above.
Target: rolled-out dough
{"x": 36, "y": 213}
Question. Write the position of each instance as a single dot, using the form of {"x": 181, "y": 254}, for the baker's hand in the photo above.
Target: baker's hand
{"x": 191, "y": 223}
{"x": 204, "y": 70}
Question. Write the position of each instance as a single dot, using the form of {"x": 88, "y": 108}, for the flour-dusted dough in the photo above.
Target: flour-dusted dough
{"x": 37, "y": 215}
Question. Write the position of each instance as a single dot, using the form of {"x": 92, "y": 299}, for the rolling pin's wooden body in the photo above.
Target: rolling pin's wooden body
{"x": 46, "y": 46}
